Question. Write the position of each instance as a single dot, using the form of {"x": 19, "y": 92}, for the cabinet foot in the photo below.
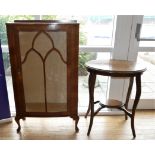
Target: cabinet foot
{"x": 76, "y": 118}
{"x": 76, "y": 125}
{"x": 17, "y": 119}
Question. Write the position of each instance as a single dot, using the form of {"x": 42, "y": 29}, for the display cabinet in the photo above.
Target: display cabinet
{"x": 44, "y": 65}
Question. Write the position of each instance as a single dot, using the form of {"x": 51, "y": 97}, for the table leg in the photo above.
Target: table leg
{"x": 128, "y": 95}
{"x": 137, "y": 97}
{"x": 92, "y": 79}
{"x": 88, "y": 110}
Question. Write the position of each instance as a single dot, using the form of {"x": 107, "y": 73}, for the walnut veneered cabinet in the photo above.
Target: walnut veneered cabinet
{"x": 44, "y": 65}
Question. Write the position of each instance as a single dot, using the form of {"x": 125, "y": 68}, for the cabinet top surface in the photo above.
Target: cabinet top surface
{"x": 120, "y": 66}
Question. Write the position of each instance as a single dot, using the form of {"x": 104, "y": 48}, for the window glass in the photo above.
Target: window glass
{"x": 101, "y": 85}
{"x": 148, "y": 31}
{"x": 5, "y": 19}
{"x": 94, "y": 30}
{"x": 148, "y": 80}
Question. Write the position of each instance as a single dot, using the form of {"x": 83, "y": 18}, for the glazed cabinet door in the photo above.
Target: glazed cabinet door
{"x": 44, "y": 63}
{"x": 44, "y": 70}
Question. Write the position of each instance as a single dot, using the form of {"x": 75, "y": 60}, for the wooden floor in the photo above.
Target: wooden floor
{"x": 104, "y": 128}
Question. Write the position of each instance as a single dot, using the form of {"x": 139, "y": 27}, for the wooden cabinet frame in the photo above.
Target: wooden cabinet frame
{"x": 72, "y": 32}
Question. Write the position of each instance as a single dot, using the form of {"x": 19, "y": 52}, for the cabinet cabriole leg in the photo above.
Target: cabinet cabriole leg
{"x": 76, "y": 119}
{"x": 17, "y": 119}
{"x": 76, "y": 124}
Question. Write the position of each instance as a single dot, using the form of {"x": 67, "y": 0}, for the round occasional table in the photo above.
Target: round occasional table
{"x": 114, "y": 68}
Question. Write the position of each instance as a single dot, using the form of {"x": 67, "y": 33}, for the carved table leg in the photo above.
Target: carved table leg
{"x": 17, "y": 119}
{"x": 128, "y": 95}
{"x": 137, "y": 97}
{"x": 92, "y": 79}
{"x": 88, "y": 110}
{"x": 132, "y": 126}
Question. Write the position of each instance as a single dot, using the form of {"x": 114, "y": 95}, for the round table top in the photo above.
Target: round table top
{"x": 116, "y": 66}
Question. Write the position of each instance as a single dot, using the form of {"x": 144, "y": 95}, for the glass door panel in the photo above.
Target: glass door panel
{"x": 44, "y": 70}
{"x": 56, "y": 73}
{"x": 33, "y": 82}
{"x": 32, "y": 73}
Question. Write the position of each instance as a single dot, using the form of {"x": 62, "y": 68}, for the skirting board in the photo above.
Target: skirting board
{"x": 7, "y": 120}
